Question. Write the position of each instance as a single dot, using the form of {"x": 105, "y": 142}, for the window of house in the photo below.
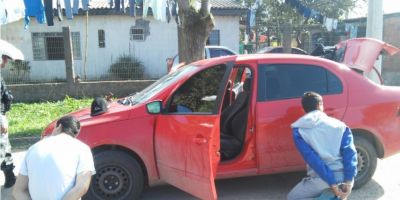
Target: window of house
{"x": 199, "y": 93}
{"x": 50, "y": 46}
{"x": 137, "y": 33}
{"x": 214, "y": 37}
{"x": 102, "y": 38}
{"x": 285, "y": 81}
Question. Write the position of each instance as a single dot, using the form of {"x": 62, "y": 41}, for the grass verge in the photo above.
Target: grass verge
{"x": 29, "y": 119}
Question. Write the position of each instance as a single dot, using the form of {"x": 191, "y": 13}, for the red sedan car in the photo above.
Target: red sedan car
{"x": 230, "y": 117}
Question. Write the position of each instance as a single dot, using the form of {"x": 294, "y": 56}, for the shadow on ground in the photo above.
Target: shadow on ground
{"x": 267, "y": 187}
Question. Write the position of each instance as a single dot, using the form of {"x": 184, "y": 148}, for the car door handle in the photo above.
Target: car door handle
{"x": 199, "y": 139}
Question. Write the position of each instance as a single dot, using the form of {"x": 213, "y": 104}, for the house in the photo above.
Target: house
{"x": 111, "y": 34}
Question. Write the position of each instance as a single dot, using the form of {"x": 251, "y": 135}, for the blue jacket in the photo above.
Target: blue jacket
{"x": 326, "y": 145}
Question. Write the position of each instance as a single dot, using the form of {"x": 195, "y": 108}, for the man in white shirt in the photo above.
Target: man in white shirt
{"x": 57, "y": 167}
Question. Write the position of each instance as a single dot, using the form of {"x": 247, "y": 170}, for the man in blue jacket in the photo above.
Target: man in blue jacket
{"x": 326, "y": 145}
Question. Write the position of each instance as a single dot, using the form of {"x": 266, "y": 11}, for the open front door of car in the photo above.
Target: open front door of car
{"x": 187, "y": 133}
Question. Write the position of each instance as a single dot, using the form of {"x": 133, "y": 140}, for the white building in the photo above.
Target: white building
{"x": 110, "y": 35}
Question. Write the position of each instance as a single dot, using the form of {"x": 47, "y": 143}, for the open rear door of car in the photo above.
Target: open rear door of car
{"x": 187, "y": 137}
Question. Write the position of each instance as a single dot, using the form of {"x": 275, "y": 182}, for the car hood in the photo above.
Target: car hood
{"x": 115, "y": 112}
{"x": 361, "y": 53}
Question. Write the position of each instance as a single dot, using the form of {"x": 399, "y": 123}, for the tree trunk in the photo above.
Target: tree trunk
{"x": 194, "y": 28}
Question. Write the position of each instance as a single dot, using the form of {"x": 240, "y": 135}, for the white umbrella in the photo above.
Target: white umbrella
{"x": 10, "y": 50}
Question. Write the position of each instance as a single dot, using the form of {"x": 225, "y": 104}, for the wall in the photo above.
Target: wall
{"x": 159, "y": 45}
{"x": 58, "y": 91}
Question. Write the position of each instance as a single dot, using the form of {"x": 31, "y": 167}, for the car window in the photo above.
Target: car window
{"x": 158, "y": 86}
{"x": 219, "y": 52}
{"x": 285, "y": 81}
{"x": 199, "y": 93}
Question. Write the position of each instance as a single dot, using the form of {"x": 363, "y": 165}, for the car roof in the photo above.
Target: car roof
{"x": 258, "y": 57}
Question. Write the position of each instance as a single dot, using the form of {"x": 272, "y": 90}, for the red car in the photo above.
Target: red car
{"x": 230, "y": 117}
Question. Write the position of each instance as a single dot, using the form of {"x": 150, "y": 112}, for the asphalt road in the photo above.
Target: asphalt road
{"x": 384, "y": 185}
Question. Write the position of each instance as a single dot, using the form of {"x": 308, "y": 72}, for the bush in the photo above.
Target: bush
{"x": 127, "y": 67}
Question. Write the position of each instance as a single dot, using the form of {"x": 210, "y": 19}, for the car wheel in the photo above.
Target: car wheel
{"x": 367, "y": 159}
{"x": 118, "y": 176}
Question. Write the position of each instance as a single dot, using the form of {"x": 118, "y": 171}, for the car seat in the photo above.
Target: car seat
{"x": 234, "y": 122}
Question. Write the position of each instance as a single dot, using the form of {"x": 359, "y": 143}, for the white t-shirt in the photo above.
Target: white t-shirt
{"x": 52, "y": 165}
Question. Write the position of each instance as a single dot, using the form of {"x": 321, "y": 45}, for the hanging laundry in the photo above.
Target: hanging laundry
{"x": 146, "y": 5}
{"x": 68, "y": 9}
{"x": 120, "y": 5}
{"x": 175, "y": 10}
{"x": 353, "y": 31}
{"x": 75, "y": 7}
{"x": 34, "y": 8}
{"x": 3, "y": 14}
{"x": 15, "y": 10}
{"x": 132, "y": 8}
{"x": 347, "y": 27}
{"x": 157, "y": 8}
{"x": 59, "y": 11}
{"x": 48, "y": 5}
{"x": 328, "y": 24}
{"x": 169, "y": 10}
{"x": 334, "y": 24}
{"x": 161, "y": 10}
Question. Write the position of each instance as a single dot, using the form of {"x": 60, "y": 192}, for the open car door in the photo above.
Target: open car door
{"x": 187, "y": 133}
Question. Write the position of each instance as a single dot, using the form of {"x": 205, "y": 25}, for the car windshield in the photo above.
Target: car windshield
{"x": 156, "y": 87}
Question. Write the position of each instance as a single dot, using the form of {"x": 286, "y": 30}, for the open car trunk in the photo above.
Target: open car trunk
{"x": 361, "y": 53}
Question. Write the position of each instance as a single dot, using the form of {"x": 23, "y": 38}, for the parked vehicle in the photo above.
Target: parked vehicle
{"x": 194, "y": 125}
{"x": 279, "y": 49}
{"x": 209, "y": 52}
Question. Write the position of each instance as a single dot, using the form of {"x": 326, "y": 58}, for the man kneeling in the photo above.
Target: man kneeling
{"x": 326, "y": 145}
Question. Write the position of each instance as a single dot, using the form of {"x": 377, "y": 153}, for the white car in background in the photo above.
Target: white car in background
{"x": 209, "y": 52}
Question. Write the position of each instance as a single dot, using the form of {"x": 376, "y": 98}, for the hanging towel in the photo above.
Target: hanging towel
{"x": 68, "y": 9}
{"x": 132, "y": 8}
{"x": 34, "y": 8}
{"x": 75, "y": 8}
{"x": 146, "y": 5}
{"x": 59, "y": 11}
{"x": 15, "y": 10}
{"x": 48, "y": 5}
{"x": 85, "y": 5}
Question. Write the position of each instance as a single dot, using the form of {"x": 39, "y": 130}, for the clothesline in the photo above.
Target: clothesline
{"x": 43, "y": 10}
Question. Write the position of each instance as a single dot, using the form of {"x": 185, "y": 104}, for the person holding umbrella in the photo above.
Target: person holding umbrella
{"x": 7, "y": 52}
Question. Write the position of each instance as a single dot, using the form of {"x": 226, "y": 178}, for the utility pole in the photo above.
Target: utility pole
{"x": 69, "y": 56}
{"x": 375, "y": 25}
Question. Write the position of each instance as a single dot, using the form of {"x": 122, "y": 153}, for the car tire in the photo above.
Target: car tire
{"x": 118, "y": 176}
{"x": 367, "y": 160}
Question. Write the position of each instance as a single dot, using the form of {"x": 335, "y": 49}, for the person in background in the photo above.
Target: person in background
{"x": 57, "y": 167}
{"x": 327, "y": 146}
{"x": 6, "y": 160}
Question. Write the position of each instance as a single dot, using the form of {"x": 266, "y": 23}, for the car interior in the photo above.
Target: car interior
{"x": 234, "y": 114}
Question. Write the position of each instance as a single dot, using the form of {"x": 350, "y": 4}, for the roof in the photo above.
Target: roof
{"x": 218, "y": 7}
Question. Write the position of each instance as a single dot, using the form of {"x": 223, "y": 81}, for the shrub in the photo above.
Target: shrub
{"x": 127, "y": 67}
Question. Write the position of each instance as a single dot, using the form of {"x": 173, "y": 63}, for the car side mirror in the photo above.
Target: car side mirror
{"x": 154, "y": 107}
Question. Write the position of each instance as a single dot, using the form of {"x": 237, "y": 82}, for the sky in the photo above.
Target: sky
{"x": 389, "y": 6}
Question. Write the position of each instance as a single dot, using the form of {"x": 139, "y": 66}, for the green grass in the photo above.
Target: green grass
{"x": 29, "y": 119}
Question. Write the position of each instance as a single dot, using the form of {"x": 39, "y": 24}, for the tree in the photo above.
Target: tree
{"x": 193, "y": 30}
{"x": 274, "y": 13}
